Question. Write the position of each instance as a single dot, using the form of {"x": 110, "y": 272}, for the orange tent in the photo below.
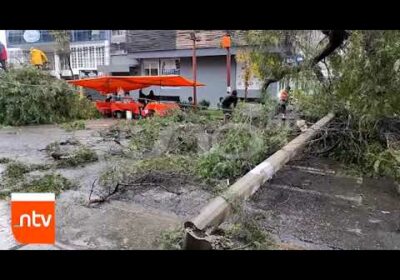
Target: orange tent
{"x": 108, "y": 84}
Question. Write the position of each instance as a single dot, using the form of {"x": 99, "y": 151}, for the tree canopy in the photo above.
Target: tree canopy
{"x": 352, "y": 73}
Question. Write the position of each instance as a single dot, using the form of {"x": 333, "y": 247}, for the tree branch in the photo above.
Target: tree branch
{"x": 335, "y": 39}
{"x": 269, "y": 81}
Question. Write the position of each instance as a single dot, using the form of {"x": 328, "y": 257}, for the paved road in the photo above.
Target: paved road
{"x": 310, "y": 204}
{"x": 133, "y": 223}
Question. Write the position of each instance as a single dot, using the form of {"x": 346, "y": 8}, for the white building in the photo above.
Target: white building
{"x": 89, "y": 50}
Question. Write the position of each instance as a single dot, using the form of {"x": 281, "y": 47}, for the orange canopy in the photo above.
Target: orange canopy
{"x": 107, "y": 84}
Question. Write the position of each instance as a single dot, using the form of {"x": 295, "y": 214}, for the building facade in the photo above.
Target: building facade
{"x": 89, "y": 50}
{"x": 169, "y": 52}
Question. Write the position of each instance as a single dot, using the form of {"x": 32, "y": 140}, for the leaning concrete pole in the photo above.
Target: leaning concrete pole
{"x": 216, "y": 211}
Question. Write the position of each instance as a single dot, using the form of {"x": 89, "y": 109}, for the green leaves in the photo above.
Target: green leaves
{"x": 62, "y": 38}
{"x": 31, "y": 96}
{"x": 364, "y": 89}
{"x": 241, "y": 148}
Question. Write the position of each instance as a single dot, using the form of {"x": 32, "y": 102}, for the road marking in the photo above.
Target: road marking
{"x": 354, "y": 199}
{"x": 325, "y": 172}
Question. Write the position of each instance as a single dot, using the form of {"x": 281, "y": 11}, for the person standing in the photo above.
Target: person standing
{"x": 3, "y": 56}
{"x": 283, "y": 101}
{"x": 227, "y": 103}
{"x": 142, "y": 97}
{"x": 152, "y": 96}
{"x": 38, "y": 58}
{"x": 190, "y": 103}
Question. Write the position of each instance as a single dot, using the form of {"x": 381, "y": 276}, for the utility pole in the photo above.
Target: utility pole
{"x": 194, "y": 66}
{"x": 226, "y": 43}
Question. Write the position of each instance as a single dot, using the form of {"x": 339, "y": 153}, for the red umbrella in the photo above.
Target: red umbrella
{"x": 108, "y": 84}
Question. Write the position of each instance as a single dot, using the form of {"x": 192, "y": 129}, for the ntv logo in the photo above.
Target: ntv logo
{"x": 31, "y": 220}
{"x": 32, "y": 217}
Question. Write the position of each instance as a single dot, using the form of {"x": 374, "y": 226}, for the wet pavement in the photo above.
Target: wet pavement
{"x": 135, "y": 222}
{"x": 309, "y": 204}
{"x": 6, "y": 238}
{"x": 24, "y": 143}
{"x": 114, "y": 225}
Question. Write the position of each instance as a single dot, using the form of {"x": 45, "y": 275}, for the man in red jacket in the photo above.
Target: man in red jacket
{"x": 3, "y": 56}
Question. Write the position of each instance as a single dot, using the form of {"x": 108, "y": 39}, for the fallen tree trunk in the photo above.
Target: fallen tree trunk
{"x": 218, "y": 209}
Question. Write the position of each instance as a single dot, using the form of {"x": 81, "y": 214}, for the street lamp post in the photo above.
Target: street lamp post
{"x": 194, "y": 64}
{"x": 226, "y": 43}
{"x": 228, "y": 69}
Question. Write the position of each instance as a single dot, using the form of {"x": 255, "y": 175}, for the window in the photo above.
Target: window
{"x": 100, "y": 52}
{"x": 15, "y": 36}
{"x": 119, "y": 48}
{"x": 87, "y": 57}
{"x": 92, "y": 57}
{"x": 170, "y": 67}
{"x": 88, "y": 35}
{"x": 157, "y": 67}
{"x": 118, "y": 32}
{"x": 95, "y": 34}
{"x": 82, "y": 35}
{"x": 45, "y": 36}
{"x": 151, "y": 67}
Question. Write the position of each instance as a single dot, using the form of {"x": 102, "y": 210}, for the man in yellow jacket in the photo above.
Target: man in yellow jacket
{"x": 38, "y": 58}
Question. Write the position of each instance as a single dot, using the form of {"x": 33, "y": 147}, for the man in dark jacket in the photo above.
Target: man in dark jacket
{"x": 227, "y": 104}
{"x": 152, "y": 96}
{"x": 3, "y": 56}
{"x": 142, "y": 97}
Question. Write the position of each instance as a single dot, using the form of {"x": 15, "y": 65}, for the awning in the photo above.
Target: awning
{"x": 108, "y": 84}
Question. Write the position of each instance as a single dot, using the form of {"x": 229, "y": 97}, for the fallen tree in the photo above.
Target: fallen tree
{"x": 211, "y": 153}
{"x": 32, "y": 96}
{"x": 354, "y": 74}
{"x": 218, "y": 209}
{"x": 273, "y": 67}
